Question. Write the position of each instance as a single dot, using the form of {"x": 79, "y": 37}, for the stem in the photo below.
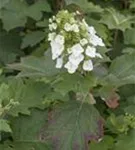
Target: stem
{"x": 58, "y": 5}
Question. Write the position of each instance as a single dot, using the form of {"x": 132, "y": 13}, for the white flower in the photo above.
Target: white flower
{"x": 68, "y": 27}
{"x": 90, "y": 51}
{"x": 75, "y": 28}
{"x": 59, "y": 62}
{"x": 96, "y": 41}
{"x": 83, "y": 41}
{"x": 53, "y": 18}
{"x": 88, "y": 65}
{"x": 56, "y": 49}
{"x": 59, "y": 39}
{"x": 91, "y": 30}
{"x": 51, "y": 36}
{"x": 77, "y": 49}
{"x": 52, "y": 26}
{"x": 76, "y": 59}
{"x": 70, "y": 67}
{"x": 50, "y": 20}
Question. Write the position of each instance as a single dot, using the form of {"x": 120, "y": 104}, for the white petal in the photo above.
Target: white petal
{"x": 90, "y": 51}
{"x": 77, "y": 49}
{"x": 88, "y": 65}
{"x": 59, "y": 39}
{"x": 50, "y": 27}
{"x": 51, "y": 36}
{"x": 96, "y": 41}
{"x": 76, "y": 60}
{"x": 50, "y": 20}
{"x": 68, "y": 27}
{"x": 56, "y": 49}
{"x": 91, "y": 30}
{"x": 99, "y": 55}
{"x": 54, "y": 18}
{"x": 70, "y": 67}
{"x": 75, "y": 28}
{"x": 59, "y": 62}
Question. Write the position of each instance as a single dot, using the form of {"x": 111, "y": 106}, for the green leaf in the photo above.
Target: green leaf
{"x": 129, "y": 50}
{"x": 35, "y": 10}
{"x": 43, "y": 23}
{"x": 129, "y": 36}
{"x": 129, "y": 106}
{"x": 15, "y": 13}
{"x": 36, "y": 145}
{"x": 29, "y": 145}
{"x": 4, "y": 126}
{"x": 75, "y": 82}
{"x": 85, "y": 5}
{"x": 116, "y": 20}
{"x": 123, "y": 69}
{"x": 32, "y": 38}
{"x": 106, "y": 143}
{"x": 69, "y": 129}
{"x": 4, "y": 92}
{"x": 28, "y": 95}
{"x": 3, "y": 3}
{"x": 34, "y": 66}
{"x": 26, "y": 131}
{"x": 132, "y": 4}
{"x": 125, "y": 142}
{"x": 5, "y": 147}
{"x": 9, "y": 47}
{"x": 28, "y": 128}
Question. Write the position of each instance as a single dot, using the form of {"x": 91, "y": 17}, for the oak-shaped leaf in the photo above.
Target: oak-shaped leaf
{"x": 116, "y": 20}
{"x": 121, "y": 71}
{"x": 15, "y": 12}
{"x": 32, "y": 38}
{"x": 26, "y": 95}
{"x": 36, "y": 66}
{"x": 85, "y": 5}
{"x": 9, "y": 47}
{"x": 123, "y": 68}
{"x": 25, "y": 132}
{"x": 75, "y": 82}
{"x": 73, "y": 125}
{"x": 4, "y": 126}
{"x": 129, "y": 37}
{"x": 106, "y": 143}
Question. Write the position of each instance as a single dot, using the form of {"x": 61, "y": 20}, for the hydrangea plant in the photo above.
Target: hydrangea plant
{"x": 67, "y": 75}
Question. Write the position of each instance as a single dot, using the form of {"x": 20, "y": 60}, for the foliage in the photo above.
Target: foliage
{"x": 45, "y": 108}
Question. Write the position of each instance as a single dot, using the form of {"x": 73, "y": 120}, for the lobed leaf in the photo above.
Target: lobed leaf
{"x": 69, "y": 129}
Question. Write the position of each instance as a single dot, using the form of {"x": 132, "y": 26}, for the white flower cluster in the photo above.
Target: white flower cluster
{"x": 73, "y": 43}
